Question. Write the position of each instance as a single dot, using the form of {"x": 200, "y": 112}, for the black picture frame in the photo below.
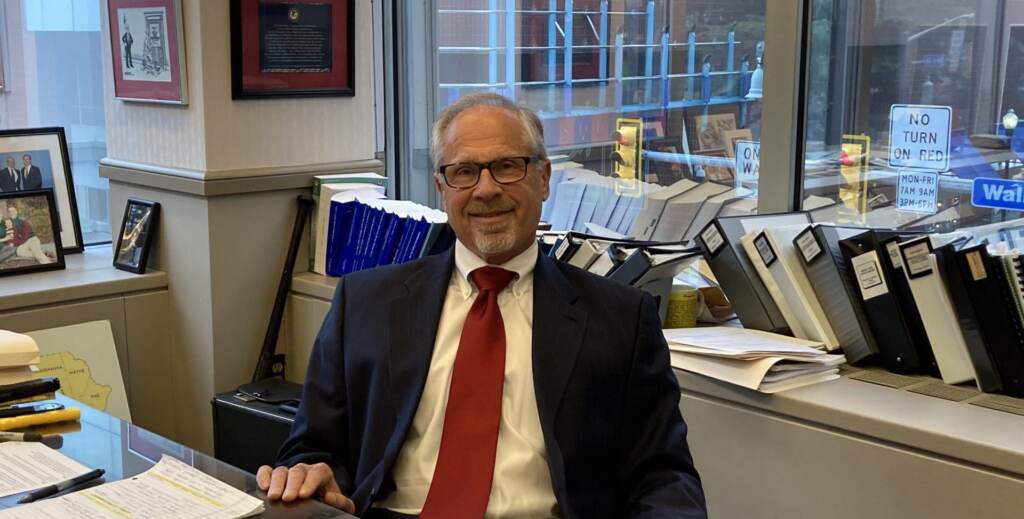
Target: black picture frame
{"x": 17, "y": 259}
{"x": 138, "y": 227}
{"x": 48, "y": 150}
{"x": 242, "y": 49}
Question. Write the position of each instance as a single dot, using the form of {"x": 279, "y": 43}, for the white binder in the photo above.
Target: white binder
{"x": 792, "y": 283}
{"x": 761, "y": 255}
{"x": 936, "y": 309}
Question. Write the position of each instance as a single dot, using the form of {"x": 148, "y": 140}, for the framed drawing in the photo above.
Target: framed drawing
{"x": 292, "y": 48}
{"x": 29, "y": 239}
{"x": 37, "y": 158}
{"x": 705, "y": 126}
{"x": 731, "y": 136}
{"x": 136, "y": 239}
{"x": 147, "y": 46}
{"x": 720, "y": 174}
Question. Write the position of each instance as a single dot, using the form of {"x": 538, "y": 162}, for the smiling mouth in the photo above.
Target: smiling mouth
{"x": 491, "y": 214}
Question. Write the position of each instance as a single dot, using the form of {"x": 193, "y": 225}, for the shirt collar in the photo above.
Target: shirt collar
{"x": 523, "y": 264}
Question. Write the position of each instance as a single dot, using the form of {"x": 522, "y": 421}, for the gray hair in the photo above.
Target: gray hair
{"x": 533, "y": 130}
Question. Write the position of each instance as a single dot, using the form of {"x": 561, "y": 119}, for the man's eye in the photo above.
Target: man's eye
{"x": 463, "y": 170}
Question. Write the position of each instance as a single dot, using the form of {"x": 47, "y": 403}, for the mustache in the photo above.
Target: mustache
{"x": 494, "y": 207}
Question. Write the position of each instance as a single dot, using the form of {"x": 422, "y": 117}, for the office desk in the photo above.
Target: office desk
{"x": 124, "y": 450}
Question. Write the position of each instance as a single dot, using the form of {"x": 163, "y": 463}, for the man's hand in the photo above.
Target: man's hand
{"x": 303, "y": 481}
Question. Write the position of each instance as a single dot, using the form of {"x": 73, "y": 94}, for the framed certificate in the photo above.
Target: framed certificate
{"x": 148, "y": 50}
{"x": 293, "y": 48}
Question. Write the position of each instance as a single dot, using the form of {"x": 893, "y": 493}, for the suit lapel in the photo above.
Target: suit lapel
{"x": 558, "y": 329}
{"x": 413, "y": 326}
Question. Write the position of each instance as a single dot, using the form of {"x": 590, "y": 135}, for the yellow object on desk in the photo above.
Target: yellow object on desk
{"x": 682, "y": 308}
{"x": 72, "y": 414}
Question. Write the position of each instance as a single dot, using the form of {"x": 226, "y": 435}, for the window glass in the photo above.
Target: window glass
{"x": 52, "y": 76}
{"x": 644, "y": 103}
{"x": 911, "y": 106}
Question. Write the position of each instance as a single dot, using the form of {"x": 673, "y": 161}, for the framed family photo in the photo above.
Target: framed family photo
{"x": 136, "y": 239}
{"x": 148, "y": 49}
{"x": 292, "y": 48}
{"x": 29, "y": 239}
{"x": 37, "y": 158}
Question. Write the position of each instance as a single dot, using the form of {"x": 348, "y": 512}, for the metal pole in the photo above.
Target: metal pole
{"x": 649, "y": 51}
{"x": 691, "y": 61}
{"x": 552, "y": 54}
{"x": 510, "y": 46}
{"x": 603, "y": 54}
{"x": 730, "y": 58}
{"x": 664, "y": 70}
{"x": 619, "y": 41}
{"x": 492, "y": 42}
{"x": 567, "y": 89}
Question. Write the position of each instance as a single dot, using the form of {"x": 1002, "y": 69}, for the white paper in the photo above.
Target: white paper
{"x": 27, "y": 466}
{"x": 739, "y": 342}
{"x": 869, "y": 275}
{"x": 169, "y": 490}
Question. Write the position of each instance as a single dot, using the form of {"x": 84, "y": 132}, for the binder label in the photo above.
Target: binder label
{"x": 977, "y": 266}
{"x": 869, "y": 275}
{"x": 893, "y": 247}
{"x": 562, "y": 247}
{"x": 808, "y": 245}
{"x": 917, "y": 257}
{"x": 712, "y": 239}
{"x": 764, "y": 249}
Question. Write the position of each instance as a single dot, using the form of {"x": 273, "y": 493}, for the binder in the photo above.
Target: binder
{"x": 985, "y": 364}
{"x": 646, "y": 221}
{"x": 681, "y": 210}
{"x": 763, "y": 256}
{"x": 940, "y": 321}
{"x": 723, "y": 250}
{"x": 899, "y": 349}
{"x": 793, "y": 286}
{"x": 822, "y": 261}
{"x": 989, "y": 292}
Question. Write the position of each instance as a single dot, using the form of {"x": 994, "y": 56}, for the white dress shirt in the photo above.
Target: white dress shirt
{"x": 522, "y": 483}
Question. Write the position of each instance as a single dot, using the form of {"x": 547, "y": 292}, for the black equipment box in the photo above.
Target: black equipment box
{"x": 247, "y": 433}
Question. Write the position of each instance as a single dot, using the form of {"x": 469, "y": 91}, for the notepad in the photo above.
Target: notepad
{"x": 30, "y": 465}
{"x": 170, "y": 489}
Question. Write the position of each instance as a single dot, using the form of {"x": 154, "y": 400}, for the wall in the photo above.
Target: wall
{"x": 227, "y": 174}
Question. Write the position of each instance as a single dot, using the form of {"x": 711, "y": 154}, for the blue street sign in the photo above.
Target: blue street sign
{"x": 998, "y": 193}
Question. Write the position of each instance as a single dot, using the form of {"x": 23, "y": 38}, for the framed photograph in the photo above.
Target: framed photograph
{"x": 148, "y": 50}
{"x": 37, "y": 158}
{"x": 706, "y": 126}
{"x": 136, "y": 238}
{"x": 731, "y": 136}
{"x": 292, "y": 48}
{"x": 29, "y": 239}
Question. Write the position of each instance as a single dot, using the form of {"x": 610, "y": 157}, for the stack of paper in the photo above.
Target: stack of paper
{"x": 19, "y": 358}
{"x": 753, "y": 359}
{"x": 171, "y": 489}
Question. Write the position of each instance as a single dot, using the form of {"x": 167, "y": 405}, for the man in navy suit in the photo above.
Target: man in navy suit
{"x": 490, "y": 380}
{"x": 31, "y": 175}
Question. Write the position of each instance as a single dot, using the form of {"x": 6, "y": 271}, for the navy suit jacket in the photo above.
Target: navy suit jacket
{"x": 606, "y": 395}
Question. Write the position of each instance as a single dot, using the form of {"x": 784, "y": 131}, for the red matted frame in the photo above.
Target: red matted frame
{"x": 248, "y": 82}
{"x": 174, "y": 91}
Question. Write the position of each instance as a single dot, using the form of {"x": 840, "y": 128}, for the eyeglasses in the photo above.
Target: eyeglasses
{"x": 464, "y": 175}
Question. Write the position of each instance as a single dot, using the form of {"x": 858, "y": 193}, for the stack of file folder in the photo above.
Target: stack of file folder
{"x": 366, "y": 231}
{"x": 753, "y": 359}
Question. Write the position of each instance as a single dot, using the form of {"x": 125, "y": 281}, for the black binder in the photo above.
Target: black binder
{"x": 902, "y": 349}
{"x": 723, "y": 250}
{"x": 988, "y": 292}
{"x": 838, "y": 293}
{"x": 985, "y": 370}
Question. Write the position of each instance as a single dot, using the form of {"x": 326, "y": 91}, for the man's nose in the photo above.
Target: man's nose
{"x": 486, "y": 187}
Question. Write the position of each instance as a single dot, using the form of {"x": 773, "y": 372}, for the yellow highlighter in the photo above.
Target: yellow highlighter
{"x": 29, "y": 420}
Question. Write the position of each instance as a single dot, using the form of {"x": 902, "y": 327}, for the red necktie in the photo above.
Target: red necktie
{"x": 462, "y": 478}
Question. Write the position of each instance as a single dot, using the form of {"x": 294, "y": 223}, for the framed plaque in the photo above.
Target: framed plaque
{"x": 292, "y": 48}
{"x": 148, "y": 50}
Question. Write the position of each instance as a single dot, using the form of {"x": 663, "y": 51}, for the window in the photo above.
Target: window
{"x": 52, "y": 76}
{"x": 637, "y": 97}
{"x": 909, "y": 102}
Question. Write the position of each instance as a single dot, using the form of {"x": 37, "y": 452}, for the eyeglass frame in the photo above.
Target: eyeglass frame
{"x": 487, "y": 165}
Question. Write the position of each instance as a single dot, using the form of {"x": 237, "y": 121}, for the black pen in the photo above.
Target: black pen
{"x": 50, "y": 490}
